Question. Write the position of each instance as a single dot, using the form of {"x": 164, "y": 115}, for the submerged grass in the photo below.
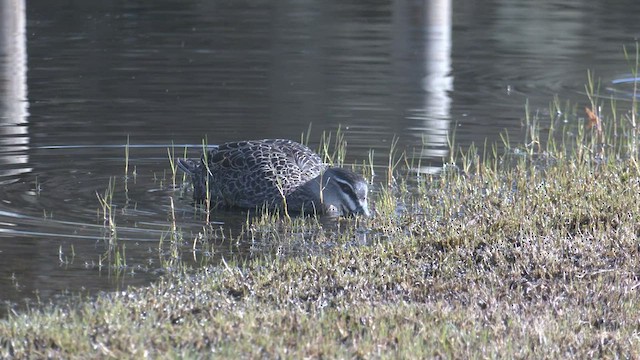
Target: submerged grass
{"x": 532, "y": 253}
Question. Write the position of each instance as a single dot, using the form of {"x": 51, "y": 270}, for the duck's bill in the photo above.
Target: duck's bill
{"x": 364, "y": 210}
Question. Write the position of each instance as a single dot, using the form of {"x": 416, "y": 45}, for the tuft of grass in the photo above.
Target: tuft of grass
{"x": 171, "y": 153}
{"x": 333, "y": 149}
{"x": 126, "y": 158}
{"x": 393, "y": 160}
{"x": 107, "y": 211}
{"x": 115, "y": 252}
{"x": 205, "y": 159}
{"x": 304, "y": 137}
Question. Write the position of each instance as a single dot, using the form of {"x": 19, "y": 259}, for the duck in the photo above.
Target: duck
{"x": 276, "y": 173}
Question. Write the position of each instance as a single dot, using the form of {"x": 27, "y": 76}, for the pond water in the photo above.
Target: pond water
{"x": 79, "y": 80}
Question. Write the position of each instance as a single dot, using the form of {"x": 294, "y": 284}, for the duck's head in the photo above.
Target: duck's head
{"x": 343, "y": 192}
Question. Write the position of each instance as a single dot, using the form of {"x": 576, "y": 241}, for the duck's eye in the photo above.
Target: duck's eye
{"x": 346, "y": 188}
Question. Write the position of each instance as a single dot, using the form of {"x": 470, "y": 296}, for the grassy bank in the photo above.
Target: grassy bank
{"x": 532, "y": 253}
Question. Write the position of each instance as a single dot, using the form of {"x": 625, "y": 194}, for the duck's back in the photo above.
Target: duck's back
{"x": 251, "y": 173}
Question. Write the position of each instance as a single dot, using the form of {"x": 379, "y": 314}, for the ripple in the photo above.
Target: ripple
{"x": 625, "y": 87}
{"x": 59, "y": 197}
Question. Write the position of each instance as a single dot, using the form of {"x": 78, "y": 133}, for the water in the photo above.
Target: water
{"x": 77, "y": 79}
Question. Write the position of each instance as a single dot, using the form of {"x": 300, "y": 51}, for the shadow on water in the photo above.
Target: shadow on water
{"x": 77, "y": 79}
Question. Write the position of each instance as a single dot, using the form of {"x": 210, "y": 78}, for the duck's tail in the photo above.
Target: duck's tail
{"x": 189, "y": 166}
{"x": 198, "y": 177}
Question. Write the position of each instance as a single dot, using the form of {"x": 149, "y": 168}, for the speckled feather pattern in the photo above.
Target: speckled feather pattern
{"x": 251, "y": 173}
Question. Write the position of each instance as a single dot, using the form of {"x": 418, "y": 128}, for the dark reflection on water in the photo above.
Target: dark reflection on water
{"x": 79, "y": 77}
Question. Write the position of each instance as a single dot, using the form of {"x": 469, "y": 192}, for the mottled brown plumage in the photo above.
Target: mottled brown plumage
{"x": 250, "y": 174}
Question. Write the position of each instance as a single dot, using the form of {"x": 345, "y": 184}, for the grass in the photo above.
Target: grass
{"x": 530, "y": 252}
